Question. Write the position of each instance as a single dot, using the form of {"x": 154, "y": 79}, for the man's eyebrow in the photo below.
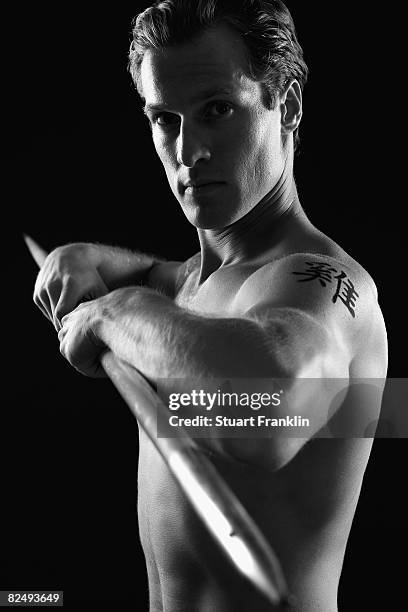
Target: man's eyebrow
{"x": 203, "y": 95}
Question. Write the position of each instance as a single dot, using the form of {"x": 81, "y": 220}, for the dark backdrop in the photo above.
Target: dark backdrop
{"x": 86, "y": 170}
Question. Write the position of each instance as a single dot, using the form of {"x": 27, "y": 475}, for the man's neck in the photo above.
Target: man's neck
{"x": 255, "y": 233}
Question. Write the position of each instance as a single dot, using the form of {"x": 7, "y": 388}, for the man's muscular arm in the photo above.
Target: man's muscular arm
{"x": 289, "y": 326}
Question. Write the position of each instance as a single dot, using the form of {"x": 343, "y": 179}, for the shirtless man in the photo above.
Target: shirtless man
{"x": 257, "y": 301}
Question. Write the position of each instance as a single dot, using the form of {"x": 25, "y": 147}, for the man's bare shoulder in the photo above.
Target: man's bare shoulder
{"x": 319, "y": 244}
{"x": 324, "y": 257}
{"x": 332, "y": 260}
{"x": 327, "y": 284}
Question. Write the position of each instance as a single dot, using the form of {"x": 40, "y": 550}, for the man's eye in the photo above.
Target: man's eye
{"x": 165, "y": 119}
{"x": 219, "y": 109}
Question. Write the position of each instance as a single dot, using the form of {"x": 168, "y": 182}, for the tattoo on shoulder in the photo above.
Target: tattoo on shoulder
{"x": 325, "y": 274}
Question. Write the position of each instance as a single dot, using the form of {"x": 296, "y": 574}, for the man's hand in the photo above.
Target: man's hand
{"x": 69, "y": 276}
{"x": 79, "y": 340}
{"x": 82, "y": 271}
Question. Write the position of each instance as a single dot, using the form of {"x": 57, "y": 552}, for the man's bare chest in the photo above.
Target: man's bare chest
{"x": 217, "y": 294}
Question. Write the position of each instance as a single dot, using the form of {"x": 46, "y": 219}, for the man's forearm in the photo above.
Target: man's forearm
{"x": 162, "y": 340}
{"x": 173, "y": 347}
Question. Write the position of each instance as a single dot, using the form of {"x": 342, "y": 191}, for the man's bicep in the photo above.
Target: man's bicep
{"x": 315, "y": 312}
{"x": 312, "y": 310}
{"x": 316, "y": 304}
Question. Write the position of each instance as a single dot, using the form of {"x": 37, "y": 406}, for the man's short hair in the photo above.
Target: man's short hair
{"x": 265, "y": 26}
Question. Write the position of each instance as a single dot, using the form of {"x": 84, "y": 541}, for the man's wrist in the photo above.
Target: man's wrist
{"x": 121, "y": 316}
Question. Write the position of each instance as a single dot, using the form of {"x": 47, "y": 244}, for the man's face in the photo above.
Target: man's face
{"x": 220, "y": 147}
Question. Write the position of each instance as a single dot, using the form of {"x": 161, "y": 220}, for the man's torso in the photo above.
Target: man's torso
{"x": 304, "y": 509}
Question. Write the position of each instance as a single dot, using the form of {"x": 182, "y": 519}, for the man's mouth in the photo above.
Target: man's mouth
{"x": 201, "y": 187}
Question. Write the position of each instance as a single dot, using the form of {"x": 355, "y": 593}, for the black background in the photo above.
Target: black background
{"x": 85, "y": 169}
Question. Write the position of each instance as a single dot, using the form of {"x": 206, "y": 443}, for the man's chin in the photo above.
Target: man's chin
{"x": 207, "y": 220}
{"x": 211, "y": 217}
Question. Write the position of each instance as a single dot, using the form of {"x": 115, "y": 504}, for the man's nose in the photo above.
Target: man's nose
{"x": 191, "y": 146}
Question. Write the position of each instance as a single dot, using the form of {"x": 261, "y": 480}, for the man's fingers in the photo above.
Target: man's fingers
{"x": 55, "y": 291}
{"x": 70, "y": 299}
{"x": 79, "y": 348}
{"x": 67, "y": 302}
{"x": 46, "y": 292}
{"x": 42, "y": 300}
{"x": 61, "y": 334}
{"x": 58, "y": 296}
{"x": 40, "y": 295}
{"x": 39, "y": 303}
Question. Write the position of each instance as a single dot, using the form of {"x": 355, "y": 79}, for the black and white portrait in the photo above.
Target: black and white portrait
{"x": 210, "y": 185}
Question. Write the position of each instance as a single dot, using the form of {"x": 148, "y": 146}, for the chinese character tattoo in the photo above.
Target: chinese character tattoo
{"x": 326, "y": 274}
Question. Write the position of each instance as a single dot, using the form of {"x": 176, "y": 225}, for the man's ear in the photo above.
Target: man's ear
{"x": 291, "y": 107}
